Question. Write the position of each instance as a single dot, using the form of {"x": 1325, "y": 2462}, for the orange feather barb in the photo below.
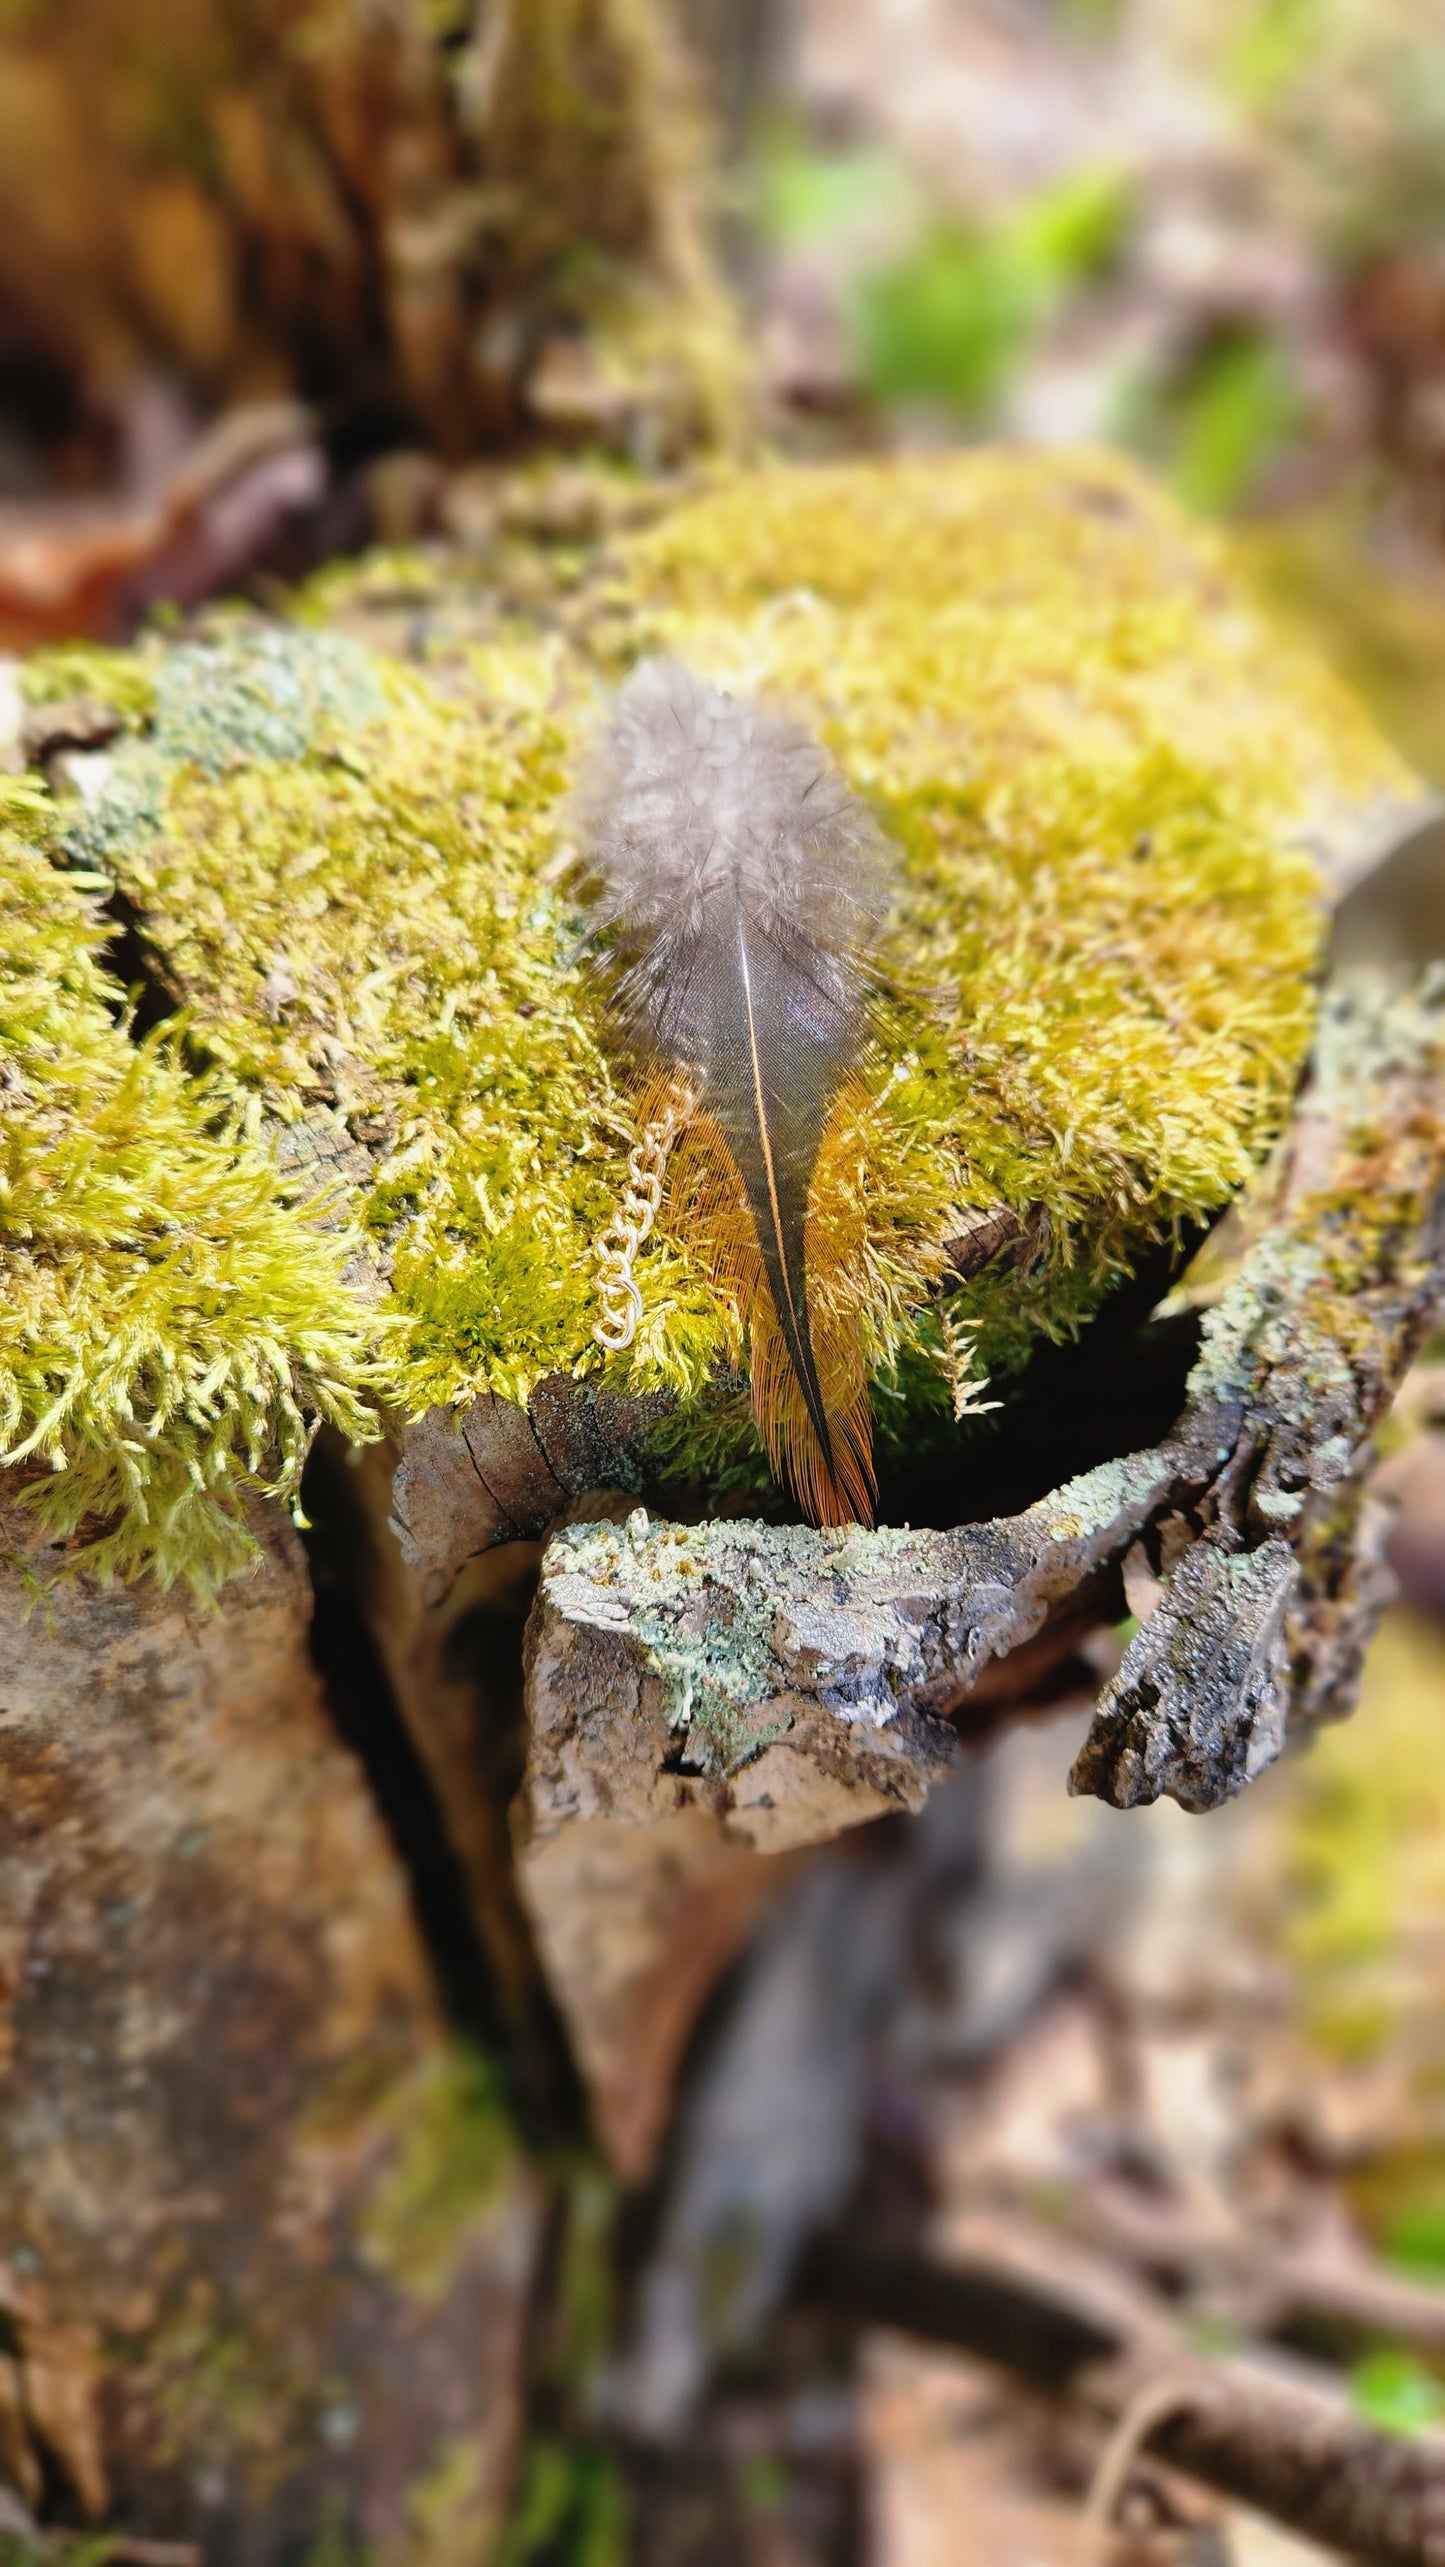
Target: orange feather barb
{"x": 740, "y": 889}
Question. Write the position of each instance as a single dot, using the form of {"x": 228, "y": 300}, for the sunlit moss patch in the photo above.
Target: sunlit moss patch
{"x": 1100, "y": 775}
{"x": 170, "y": 1324}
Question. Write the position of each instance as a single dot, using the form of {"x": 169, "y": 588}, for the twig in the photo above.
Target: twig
{"x": 1288, "y": 2451}
{"x": 1157, "y": 2401}
{"x": 1283, "y": 2288}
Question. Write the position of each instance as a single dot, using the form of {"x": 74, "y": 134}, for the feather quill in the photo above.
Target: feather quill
{"x": 741, "y": 887}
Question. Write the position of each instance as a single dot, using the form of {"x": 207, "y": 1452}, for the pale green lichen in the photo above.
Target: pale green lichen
{"x": 1096, "y": 770}
{"x": 1302, "y": 1299}
{"x": 1097, "y": 1499}
{"x": 263, "y": 698}
{"x": 124, "y": 816}
{"x": 702, "y": 1602}
{"x": 704, "y": 1623}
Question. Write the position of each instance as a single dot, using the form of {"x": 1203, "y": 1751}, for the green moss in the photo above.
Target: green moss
{"x": 71, "y": 670}
{"x": 571, "y": 2508}
{"x": 1099, "y": 773}
{"x": 451, "y": 2512}
{"x": 456, "y": 2148}
{"x": 170, "y": 1322}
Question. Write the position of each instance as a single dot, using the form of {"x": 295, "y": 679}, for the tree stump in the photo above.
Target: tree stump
{"x": 323, "y": 1195}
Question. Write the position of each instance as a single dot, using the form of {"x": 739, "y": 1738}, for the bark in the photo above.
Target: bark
{"x": 499, "y": 1473}
{"x": 703, "y": 1698}
{"x": 1251, "y": 1507}
{"x": 278, "y": 197}
{"x": 264, "y": 2243}
{"x": 646, "y": 1842}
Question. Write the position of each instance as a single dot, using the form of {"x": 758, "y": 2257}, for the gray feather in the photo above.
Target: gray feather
{"x": 741, "y": 886}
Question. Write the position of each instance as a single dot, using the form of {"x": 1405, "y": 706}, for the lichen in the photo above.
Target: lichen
{"x": 1302, "y": 1299}
{"x": 704, "y": 1602}
{"x": 123, "y": 817}
{"x": 260, "y": 700}
{"x": 1098, "y": 773}
{"x": 705, "y": 1626}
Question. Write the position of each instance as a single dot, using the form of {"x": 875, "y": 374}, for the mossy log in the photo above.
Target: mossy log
{"x": 1109, "y": 790}
{"x": 325, "y": 1193}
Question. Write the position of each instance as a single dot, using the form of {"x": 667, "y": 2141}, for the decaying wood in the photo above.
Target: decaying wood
{"x": 500, "y": 1473}
{"x": 747, "y": 1628}
{"x": 230, "y": 2310}
{"x": 657, "y": 1804}
{"x": 701, "y": 1695}
{"x": 1268, "y": 1615}
{"x": 449, "y": 1667}
{"x": 1290, "y": 2451}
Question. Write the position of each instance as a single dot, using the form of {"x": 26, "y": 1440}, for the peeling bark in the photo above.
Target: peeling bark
{"x": 500, "y": 1473}
{"x": 645, "y": 1846}
{"x": 1198, "y": 1706}
{"x": 699, "y": 1695}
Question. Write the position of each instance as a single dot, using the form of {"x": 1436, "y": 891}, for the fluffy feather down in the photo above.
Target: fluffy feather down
{"x": 741, "y": 885}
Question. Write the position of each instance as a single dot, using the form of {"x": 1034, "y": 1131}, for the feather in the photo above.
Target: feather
{"x": 741, "y": 885}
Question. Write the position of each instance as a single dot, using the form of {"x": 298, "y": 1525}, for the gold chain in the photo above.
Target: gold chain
{"x": 630, "y": 1224}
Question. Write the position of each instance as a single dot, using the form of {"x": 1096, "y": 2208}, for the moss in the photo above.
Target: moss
{"x": 571, "y": 2508}
{"x": 1098, "y": 770}
{"x": 120, "y": 679}
{"x": 455, "y": 2150}
{"x": 171, "y": 1324}
{"x": 451, "y": 2513}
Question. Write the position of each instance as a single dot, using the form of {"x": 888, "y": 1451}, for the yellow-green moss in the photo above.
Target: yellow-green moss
{"x": 1099, "y": 772}
{"x": 455, "y": 2159}
{"x": 96, "y": 672}
{"x": 169, "y": 1324}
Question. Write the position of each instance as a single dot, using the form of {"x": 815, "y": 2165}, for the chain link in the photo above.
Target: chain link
{"x": 630, "y": 1224}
